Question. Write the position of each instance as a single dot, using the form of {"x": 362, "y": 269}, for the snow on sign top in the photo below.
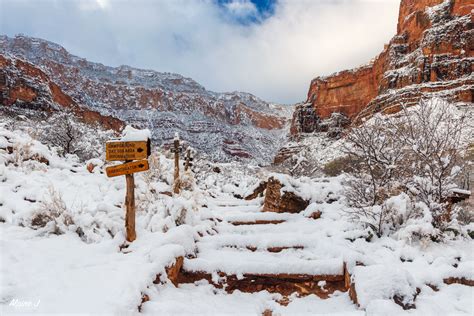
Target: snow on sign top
{"x": 131, "y": 134}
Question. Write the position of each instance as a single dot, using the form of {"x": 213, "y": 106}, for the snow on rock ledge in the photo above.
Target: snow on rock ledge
{"x": 376, "y": 282}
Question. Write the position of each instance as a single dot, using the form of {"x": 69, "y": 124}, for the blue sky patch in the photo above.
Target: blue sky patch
{"x": 247, "y": 12}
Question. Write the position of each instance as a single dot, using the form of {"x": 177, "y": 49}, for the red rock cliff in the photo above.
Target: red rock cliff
{"x": 25, "y": 86}
{"x": 431, "y": 54}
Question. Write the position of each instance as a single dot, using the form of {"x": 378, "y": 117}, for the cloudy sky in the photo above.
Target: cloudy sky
{"x": 269, "y": 48}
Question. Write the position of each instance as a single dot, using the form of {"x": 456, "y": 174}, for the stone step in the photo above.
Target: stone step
{"x": 264, "y": 241}
{"x": 251, "y": 217}
{"x": 275, "y": 274}
{"x": 269, "y": 249}
{"x": 300, "y": 226}
{"x": 257, "y": 222}
{"x": 232, "y": 261}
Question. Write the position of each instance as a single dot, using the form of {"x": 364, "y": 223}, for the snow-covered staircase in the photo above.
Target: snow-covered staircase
{"x": 254, "y": 251}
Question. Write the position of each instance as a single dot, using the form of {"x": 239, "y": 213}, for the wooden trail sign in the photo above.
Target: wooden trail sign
{"x": 127, "y": 168}
{"x": 122, "y": 151}
{"x": 128, "y": 151}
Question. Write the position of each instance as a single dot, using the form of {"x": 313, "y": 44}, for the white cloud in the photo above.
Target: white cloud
{"x": 274, "y": 59}
{"x": 241, "y": 8}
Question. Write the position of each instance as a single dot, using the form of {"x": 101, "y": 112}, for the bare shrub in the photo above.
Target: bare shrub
{"x": 153, "y": 174}
{"x": 53, "y": 210}
{"x": 338, "y": 166}
{"x": 417, "y": 152}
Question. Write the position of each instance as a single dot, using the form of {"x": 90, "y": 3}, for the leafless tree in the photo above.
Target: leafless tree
{"x": 64, "y": 133}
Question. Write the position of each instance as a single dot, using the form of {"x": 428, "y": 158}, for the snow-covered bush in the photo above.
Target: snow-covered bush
{"x": 433, "y": 132}
{"x": 415, "y": 156}
{"x": 375, "y": 153}
{"x": 69, "y": 136}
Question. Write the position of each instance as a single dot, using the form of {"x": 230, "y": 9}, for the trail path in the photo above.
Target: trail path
{"x": 254, "y": 262}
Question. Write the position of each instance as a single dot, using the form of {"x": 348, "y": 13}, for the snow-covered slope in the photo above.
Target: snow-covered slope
{"x": 62, "y": 242}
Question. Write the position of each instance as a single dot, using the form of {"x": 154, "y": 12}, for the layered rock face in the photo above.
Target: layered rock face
{"x": 431, "y": 55}
{"x": 164, "y": 102}
{"x": 27, "y": 90}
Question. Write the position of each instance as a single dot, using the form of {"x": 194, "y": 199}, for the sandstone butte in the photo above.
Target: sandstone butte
{"x": 431, "y": 54}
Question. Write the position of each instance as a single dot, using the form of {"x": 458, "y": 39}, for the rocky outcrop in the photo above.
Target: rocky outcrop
{"x": 305, "y": 119}
{"x": 226, "y": 126}
{"x": 27, "y": 90}
{"x": 258, "y": 191}
{"x": 275, "y": 201}
{"x": 431, "y": 55}
{"x": 287, "y": 152}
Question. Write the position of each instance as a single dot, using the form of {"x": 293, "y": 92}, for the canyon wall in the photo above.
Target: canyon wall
{"x": 431, "y": 55}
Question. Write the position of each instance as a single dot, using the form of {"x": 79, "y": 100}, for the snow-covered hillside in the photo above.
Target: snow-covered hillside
{"x": 63, "y": 248}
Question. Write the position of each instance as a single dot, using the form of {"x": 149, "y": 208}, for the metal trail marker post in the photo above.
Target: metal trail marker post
{"x": 127, "y": 152}
{"x": 188, "y": 159}
{"x": 176, "y": 186}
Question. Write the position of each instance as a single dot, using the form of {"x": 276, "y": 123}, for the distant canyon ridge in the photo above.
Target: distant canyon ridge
{"x": 38, "y": 75}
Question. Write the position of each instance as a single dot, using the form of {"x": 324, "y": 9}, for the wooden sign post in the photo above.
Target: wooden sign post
{"x": 128, "y": 151}
{"x": 130, "y": 208}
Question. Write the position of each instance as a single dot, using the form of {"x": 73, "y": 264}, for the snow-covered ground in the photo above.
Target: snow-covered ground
{"x": 62, "y": 238}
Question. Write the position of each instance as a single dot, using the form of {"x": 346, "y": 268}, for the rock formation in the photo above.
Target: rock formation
{"x": 431, "y": 55}
{"x": 275, "y": 201}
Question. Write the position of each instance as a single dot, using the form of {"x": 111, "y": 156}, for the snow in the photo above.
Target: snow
{"x": 376, "y": 282}
{"x": 461, "y": 191}
{"x": 76, "y": 265}
{"x": 130, "y": 134}
{"x": 448, "y": 300}
{"x": 304, "y": 187}
{"x": 69, "y": 276}
{"x": 204, "y": 299}
{"x": 63, "y": 261}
